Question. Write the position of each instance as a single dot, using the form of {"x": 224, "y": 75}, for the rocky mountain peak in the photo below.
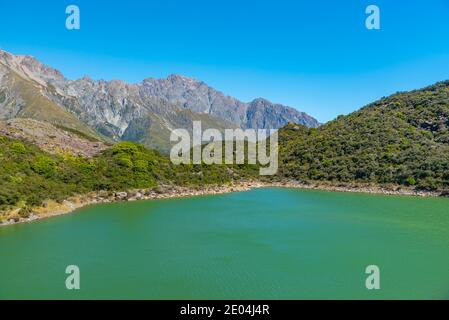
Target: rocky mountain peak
{"x": 261, "y": 101}
{"x": 30, "y": 68}
{"x": 180, "y": 78}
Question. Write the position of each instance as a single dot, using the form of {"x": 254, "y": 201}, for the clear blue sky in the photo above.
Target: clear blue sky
{"x": 316, "y": 55}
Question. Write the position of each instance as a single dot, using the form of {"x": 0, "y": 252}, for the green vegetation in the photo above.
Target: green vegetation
{"x": 401, "y": 140}
{"x": 29, "y": 176}
{"x": 83, "y": 135}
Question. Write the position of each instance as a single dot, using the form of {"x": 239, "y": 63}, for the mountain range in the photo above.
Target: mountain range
{"x": 145, "y": 112}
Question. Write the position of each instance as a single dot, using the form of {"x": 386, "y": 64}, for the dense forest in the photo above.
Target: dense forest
{"x": 402, "y": 139}
{"x": 29, "y": 176}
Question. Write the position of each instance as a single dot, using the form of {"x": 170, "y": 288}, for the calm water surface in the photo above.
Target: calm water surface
{"x": 262, "y": 244}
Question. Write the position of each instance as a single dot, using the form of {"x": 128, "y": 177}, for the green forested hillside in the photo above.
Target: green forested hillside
{"x": 402, "y": 139}
{"x": 28, "y": 175}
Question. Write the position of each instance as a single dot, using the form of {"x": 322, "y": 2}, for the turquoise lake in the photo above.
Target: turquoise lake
{"x": 262, "y": 244}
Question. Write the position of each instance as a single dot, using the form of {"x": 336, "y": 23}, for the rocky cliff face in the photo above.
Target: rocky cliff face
{"x": 124, "y": 111}
{"x": 144, "y": 112}
{"x": 199, "y": 97}
{"x": 25, "y": 87}
{"x": 262, "y": 113}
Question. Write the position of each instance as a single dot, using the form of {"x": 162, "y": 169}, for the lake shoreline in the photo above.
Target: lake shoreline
{"x": 52, "y": 209}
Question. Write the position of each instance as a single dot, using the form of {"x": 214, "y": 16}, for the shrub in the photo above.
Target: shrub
{"x": 127, "y": 148}
{"x": 18, "y": 148}
{"x": 141, "y": 166}
{"x": 124, "y": 161}
{"x": 411, "y": 181}
{"x": 44, "y": 165}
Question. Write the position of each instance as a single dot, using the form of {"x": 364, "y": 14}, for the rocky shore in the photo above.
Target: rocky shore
{"x": 52, "y": 209}
{"x": 359, "y": 188}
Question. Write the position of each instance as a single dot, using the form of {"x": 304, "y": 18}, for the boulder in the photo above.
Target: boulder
{"x": 121, "y": 195}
